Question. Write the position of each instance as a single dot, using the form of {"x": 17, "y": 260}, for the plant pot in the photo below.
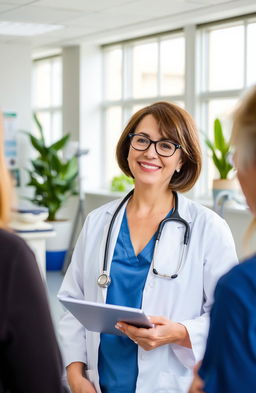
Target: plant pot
{"x": 57, "y": 246}
{"x": 224, "y": 188}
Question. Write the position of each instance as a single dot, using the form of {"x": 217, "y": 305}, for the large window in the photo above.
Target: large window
{"x": 138, "y": 73}
{"x": 228, "y": 63}
{"x": 47, "y": 95}
{"x": 203, "y": 68}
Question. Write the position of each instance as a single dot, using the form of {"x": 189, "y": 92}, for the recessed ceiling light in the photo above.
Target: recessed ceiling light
{"x": 26, "y": 29}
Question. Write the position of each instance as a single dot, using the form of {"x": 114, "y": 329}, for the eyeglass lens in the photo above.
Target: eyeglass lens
{"x": 164, "y": 148}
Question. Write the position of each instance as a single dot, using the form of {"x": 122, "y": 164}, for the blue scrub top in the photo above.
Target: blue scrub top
{"x": 229, "y": 363}
{"x": 117, "y": 365}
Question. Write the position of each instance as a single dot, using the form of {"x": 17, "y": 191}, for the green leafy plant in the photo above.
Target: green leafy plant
{"x": 220, "y": 149}
{"x": 121, "y": 183}
{"x": 53, "y": 178}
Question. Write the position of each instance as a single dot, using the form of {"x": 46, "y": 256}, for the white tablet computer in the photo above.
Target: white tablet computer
{"x": 100, "y": 317}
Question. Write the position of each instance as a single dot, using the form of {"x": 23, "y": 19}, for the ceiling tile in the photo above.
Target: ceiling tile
{"x": 105, "y": 20}
{"x": 39, "y": 15}
{"x": 209, "y": 2}
{"x": 64, "y": 34}
{"x": 19, "y": 2}
{"x": 161, "y": 8}
{"x": 82, "y": 5}
{"x": 6, "y": 7}
{"x": 92, "y": 19}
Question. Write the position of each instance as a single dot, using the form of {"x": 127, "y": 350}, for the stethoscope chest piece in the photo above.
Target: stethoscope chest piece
{"x": 104, "y": 280}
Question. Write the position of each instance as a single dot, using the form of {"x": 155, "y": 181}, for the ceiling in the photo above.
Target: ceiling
{"x": 104, "y": 21}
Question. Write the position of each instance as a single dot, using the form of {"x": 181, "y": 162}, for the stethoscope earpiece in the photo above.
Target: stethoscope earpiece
{"x": 156, "y": 273}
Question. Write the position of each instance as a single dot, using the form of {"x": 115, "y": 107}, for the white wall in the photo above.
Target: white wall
{"x": 15, "y": 92}
{"x": 71, "y": 91}
{"x": 90, "y": 120}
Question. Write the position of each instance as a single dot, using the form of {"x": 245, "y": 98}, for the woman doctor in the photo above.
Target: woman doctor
{"x": 159, "y": 148}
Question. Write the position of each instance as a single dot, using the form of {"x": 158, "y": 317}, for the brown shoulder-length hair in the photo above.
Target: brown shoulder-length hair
{"x": 177, "y": 125}
{"x": 5, "y": 184}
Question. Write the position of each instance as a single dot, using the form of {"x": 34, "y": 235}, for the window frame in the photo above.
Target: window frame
{"x": 50, "y": 109}
{"x": 126, "y": 101}
{"x": 205, "y": 95}
{"x": 196, "y": 96}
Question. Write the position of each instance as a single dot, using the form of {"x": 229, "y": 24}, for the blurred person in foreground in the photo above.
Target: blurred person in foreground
{"x": 30, "y": 360}
{"x": 229, "y": 362}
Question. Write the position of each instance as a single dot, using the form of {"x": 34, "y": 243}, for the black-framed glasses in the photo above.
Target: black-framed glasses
{"x": 164, "y": 148}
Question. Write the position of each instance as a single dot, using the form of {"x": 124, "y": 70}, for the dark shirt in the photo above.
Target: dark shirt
{"x": 30, "y": 361}
{"x": 229, "y": 364}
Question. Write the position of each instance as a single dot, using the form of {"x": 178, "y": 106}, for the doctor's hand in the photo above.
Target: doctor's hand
{"x": 76, "y": 379}
{"x": 164, "y": 332}
{"x": 82, "y": 385}
{"x": 197, "y": 384}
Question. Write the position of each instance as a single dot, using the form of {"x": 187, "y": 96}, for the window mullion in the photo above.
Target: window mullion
{"x": 203, "y": 109}
{"x": 245, "y": 51}
{"x": 128, "y": 82}
{"x": 206, "y": 63}
{"x": 159, "y": 67}
{"x": 190, "y": 68}
{"x": 103, "y": 171}
{"x": 102, "y": 174}
{"x": 103, "y": 86}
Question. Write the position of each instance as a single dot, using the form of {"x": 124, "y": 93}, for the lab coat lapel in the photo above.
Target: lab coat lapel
{"x": 184, "y": 211}
{"x": 113, "y": 239}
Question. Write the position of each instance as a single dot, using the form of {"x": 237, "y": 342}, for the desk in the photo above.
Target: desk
{"x": 36, "y": 241}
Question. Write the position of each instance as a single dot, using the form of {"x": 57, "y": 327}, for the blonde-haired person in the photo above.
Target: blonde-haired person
{"x": 30, "y": 361}
{"x": 229, "y": 362}
{"x": 5, "y": 184}
{"x": 160, "y": 149}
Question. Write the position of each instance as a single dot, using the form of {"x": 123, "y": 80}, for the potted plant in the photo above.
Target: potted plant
{"x": 54, "y": 180}
{"x": 122, "y": 183}
{"x": 221, "y": 149}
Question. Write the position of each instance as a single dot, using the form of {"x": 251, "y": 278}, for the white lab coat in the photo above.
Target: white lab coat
{"x": 186, "y": 299}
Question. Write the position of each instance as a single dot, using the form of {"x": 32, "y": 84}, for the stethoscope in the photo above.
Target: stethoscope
{"x": 104, "y": 278}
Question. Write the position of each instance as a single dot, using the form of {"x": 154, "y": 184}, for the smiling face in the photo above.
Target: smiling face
{"x": 147, "y": 167}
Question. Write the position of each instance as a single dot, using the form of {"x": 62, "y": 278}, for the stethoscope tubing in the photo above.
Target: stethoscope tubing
{"x": 104, "y": 279}
{"x": 105, "y": 261}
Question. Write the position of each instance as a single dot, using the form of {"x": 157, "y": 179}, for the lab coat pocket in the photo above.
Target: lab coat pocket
{"x": 92, "y": 375}
{"x": 173, "y": 383}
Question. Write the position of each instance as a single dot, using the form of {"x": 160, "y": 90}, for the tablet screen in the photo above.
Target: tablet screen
{"x": 100, "y": 317}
